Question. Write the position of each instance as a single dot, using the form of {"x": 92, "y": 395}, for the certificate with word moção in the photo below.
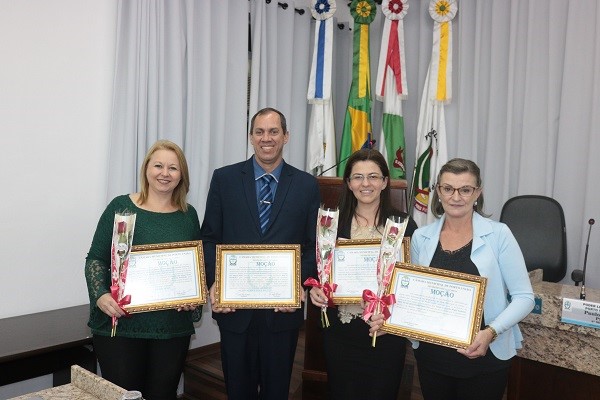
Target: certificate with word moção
{"x": 258, "y": 276}
{"x": 165, "y": 275}
{"x": 435, "y": 305}
{"x": 354, "y": 267}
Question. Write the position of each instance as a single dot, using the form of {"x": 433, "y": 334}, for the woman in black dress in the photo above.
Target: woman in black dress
{"x": 355, "y": 369}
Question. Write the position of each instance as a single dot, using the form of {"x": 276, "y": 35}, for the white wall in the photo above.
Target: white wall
{"x": 56, "y": 78}
{"x": 55, "y": 97}
{"x": 56, "y": 87}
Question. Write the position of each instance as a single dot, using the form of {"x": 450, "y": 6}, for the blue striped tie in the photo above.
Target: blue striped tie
{"x": 265, "y": 198}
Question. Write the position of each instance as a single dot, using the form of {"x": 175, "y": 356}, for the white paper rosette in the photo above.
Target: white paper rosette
{"x": 440, "y": 69}
{"x": 322, "y": 9}
{"x": 443, "y": 10}
{"x": 394, "y": 9}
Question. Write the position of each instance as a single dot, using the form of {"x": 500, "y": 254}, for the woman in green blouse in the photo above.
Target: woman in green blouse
{"x": 149, "y": 349}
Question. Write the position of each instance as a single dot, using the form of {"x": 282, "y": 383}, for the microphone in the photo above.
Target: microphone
{"x": 369, "y": 143}
{"x": 587, "y": 246}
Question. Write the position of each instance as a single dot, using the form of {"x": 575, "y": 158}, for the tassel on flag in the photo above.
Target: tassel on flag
{"x": 432, "y": 152}
{"x": 442, "y": 12}
{"x": 319, "y": 85}
{"x": 392, "y": 62}
{"x": 392, "y": 87}
{"x": 321, "y": 133}
{"x": 357, "y": 123}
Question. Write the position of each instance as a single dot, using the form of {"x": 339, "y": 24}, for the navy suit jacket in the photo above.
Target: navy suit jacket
{"x": 231, "y": 217}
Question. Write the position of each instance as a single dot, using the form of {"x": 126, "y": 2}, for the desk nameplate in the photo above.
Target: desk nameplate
{"x": 580, "y": 312}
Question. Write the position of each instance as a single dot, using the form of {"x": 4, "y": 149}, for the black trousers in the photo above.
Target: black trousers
{"x": 152, "y": 366}
{"x": 355, "y": 369}
{"x": 257, "y": 363}
{"x": 488, "y": 386}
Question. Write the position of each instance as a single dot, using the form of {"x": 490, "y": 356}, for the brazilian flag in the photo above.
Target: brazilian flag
{"x": 357, "y": 123}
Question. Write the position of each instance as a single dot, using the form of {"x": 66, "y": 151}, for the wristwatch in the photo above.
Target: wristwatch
{"x": 494, "y": 333}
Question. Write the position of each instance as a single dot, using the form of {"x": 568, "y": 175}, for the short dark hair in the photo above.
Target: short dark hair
{"x": 268, "y": 110}
{"x": 458, "y": 166}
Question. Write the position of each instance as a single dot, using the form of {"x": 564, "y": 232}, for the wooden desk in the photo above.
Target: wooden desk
{"x": 45, "y": 343}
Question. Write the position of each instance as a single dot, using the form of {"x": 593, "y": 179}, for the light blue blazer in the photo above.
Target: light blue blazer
{"x": 498, "y": 257}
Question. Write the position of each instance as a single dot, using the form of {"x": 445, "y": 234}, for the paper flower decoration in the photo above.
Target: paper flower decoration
{"x": 363, "y": 11}
{"x": 322, "y": 9}
{"x": 394, "y": 9}
{"x": 443, "y": 10}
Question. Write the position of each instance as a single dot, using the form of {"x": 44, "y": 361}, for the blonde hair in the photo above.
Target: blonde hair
{"x": 179, "y": 196}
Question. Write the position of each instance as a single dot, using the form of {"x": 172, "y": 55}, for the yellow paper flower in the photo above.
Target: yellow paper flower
{"x": 363, "y": 11}
{"x": 443, "y": 10}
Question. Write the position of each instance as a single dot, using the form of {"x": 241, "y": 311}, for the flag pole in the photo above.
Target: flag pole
{"x": 411, "y": 196}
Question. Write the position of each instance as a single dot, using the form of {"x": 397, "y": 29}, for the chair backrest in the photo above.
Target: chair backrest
{"x": 538, "y": 223}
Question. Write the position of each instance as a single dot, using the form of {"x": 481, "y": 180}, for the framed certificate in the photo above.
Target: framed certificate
{"x": 354, "y": 267}
{"x": 165, "y": 275}
{"x": 258, "y": 276}
{"x": 435, "y": 305}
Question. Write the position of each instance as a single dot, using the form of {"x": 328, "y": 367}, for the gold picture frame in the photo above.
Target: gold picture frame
{"x": 435, "y": 305}
{"x": 354, "y": 267}
{"x": 165, "y": 276}
{"x": 258, "y": 276}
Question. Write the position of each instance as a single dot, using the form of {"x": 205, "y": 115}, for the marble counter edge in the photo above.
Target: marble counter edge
{"x": 84, "y": 385}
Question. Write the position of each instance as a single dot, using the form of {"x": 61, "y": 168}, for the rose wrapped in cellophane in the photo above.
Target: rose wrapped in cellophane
{"x": 390, "y": 245}
{"x": 122, "y": 239}
{"x": 327, "y": 225}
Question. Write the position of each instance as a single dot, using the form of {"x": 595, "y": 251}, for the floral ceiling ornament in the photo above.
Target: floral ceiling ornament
{"x": 363, "y": 11}
{"x": 394, "y": 9}
{"x": 443, "y": 10}
{"x": 322, "y": 9}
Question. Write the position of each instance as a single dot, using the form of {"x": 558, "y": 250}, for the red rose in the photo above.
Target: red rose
{"x": 121, "y": 227}
{"x": 326, "y": 221}
{"x": 394, "y": 230}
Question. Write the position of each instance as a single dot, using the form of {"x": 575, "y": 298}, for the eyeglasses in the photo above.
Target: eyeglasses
{"x": 372, "y": 178}
{"x": 464, "y": 191}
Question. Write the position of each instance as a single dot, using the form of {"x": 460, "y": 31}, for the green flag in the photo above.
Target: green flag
{"x": 357, "y": 123}
{"x": 391, "y": 89}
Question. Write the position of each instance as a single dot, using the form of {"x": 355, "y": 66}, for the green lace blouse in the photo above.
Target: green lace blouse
{"x": 150, "y": 228}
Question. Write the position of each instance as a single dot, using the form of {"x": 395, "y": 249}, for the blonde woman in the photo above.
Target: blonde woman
{"x": 149, "y": 349}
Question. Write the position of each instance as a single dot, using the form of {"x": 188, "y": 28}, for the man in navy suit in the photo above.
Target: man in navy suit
{"x": 258, "y": 345}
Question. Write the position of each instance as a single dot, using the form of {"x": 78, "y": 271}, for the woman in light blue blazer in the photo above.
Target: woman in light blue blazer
{"x": 464, "y": 240}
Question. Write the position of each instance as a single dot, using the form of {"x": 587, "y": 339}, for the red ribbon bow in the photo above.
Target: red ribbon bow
{"x": 326, "y": 288}
{"x": 114, "y": 292}
{"x": 372, "y": 301}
